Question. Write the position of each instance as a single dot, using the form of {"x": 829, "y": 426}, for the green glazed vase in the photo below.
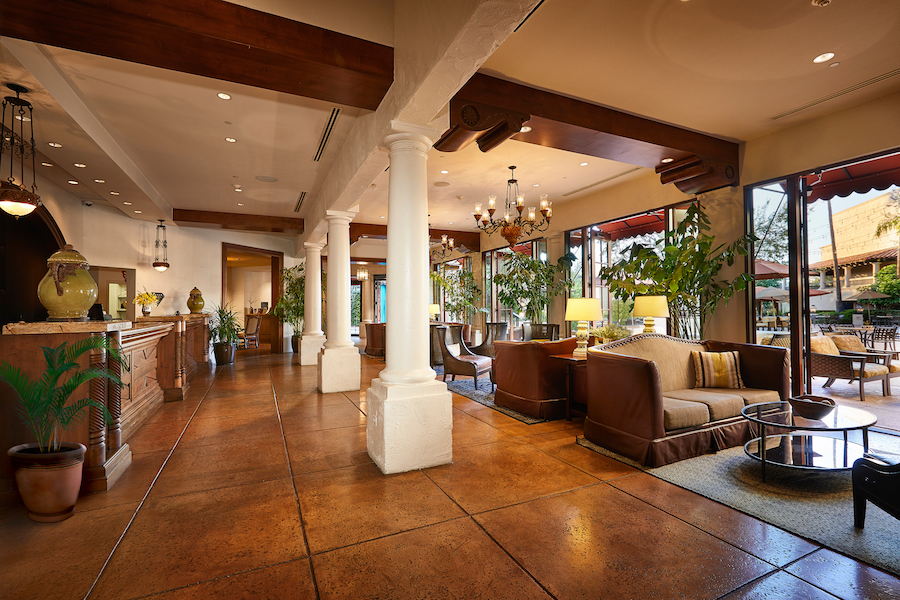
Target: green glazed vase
{"x": 67, "y": 291}
{"x": 195, "y": 301}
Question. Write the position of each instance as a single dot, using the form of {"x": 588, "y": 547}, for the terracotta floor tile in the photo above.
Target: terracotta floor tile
{"x": 181, "y": 540}
{"x": 491, "y": 475}
{"x": 779, "y": 585}
{"x": 287, "y": 581}
{"x": 316, "y": 418}
{"x": 58, "y": 560}
{"x": 260, "y": 388}
{"x": 131, "y": 486}
{"x": 844, "y": 577}
{"x": 156, "y": 437}
{"x": 216, "y": 430}
{"x": 466, "y": 405}
{"x": 450, "y": 560}
{"x": 562, "y": 445}
{"x": 312, "y": 451}
{"x": 174, "y": 411}
{"x": 306, "y": 398}
{"x": 234, "y": 462}
{"x": 356, "y": 504}
{"x": 599, "y": 542}
{"x": 469, "y": 431}
{"x": 760, "y": 539}
{"x": 236, "y": 405}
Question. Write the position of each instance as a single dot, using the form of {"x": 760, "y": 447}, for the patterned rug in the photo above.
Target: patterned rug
{"x": 817, "y": 505}
{"x": 483, "y": 395}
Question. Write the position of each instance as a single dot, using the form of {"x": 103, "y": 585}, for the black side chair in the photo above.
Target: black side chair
{"x": 493, "y": 332}
{"x": 464, "y": 362}
{"x": 878, "y": 481}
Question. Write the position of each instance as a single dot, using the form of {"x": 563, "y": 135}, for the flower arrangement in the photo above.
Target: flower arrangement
{"x": 146, "y": 298}
{"x": 609, "y": 333}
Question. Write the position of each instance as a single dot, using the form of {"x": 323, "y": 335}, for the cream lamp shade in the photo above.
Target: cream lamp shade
{"x": 583, "y": 310}
{"x": 434, "y": 309}
{"x": 649, "y": 307}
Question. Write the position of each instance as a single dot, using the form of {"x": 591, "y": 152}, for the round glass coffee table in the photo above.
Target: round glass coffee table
{"x": 805, "y": 443}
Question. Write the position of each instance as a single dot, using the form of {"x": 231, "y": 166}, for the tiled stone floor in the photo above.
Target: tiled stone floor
{"x": 257, "y": 486}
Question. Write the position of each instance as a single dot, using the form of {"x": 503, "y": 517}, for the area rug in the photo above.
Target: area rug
{"x": 817, "y": 505}
{"x": 483, "y": 395}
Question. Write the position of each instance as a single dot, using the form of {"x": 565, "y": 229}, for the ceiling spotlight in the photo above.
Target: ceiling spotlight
{"x": 126, "y": 203}
{"x": 584, "y": 164}
{"x": 230, "y": 140}
{"x": 524, "y": 129}
{"x": 224, "y": 96}
{"x": 138, "y": 212}
{"x": 237, "y": 189}
{"x": 54, "y": 145}
{"x": 114, "y": 193}
{"x": 99, "y": 181}
{"x": 240, "y": 203}
{"x": 46, "y": 164}
{"x": 825, "y": 57}
{"x": 80, "y": 165}
{"x": 666, "y": 160}
{"x": 382, "y": 216}
{"x": 535, "y": 185}
{"x": 73, "y": 182}
{"x": 444, "y": 172}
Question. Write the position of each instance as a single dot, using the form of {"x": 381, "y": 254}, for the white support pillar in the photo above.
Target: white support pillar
{"x": 313, "y": 337}
{"x": 409, "y": 417}
{"x": 367, "y": 300}
{"x": 339, "y": 361}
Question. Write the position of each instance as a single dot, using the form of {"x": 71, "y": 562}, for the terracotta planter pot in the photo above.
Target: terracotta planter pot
{"x": 224, "y": 353}
{"x": 48, "y": 482}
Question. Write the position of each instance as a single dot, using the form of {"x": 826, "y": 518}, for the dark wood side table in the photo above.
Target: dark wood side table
{"x": 574, "y": 365}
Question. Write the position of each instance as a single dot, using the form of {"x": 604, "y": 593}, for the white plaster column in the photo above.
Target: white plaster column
{"x": 821, "y": 279}
{"x": 339, "y": 361}
{"x": 313, "y": 337}
{"x": 409, "y": 418}
{"x": 366, "y": 298}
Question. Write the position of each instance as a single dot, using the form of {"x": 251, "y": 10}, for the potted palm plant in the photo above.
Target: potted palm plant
{"x": 290, "y": 307}
{"x": 223, "y": 330}
{"x": 48, "y": 471}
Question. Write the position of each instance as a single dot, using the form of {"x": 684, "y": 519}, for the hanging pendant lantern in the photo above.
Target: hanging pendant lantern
{"x": 161, "y": 265}
{"x": 15, "y": 198}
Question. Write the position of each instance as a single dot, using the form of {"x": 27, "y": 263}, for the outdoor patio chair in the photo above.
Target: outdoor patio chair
{"x": 850, "y": 343}
{"x": 826, "y": 360}
{"x": 882, "y": 321}
{"x": 885, "y": 335}
{"x": 876, "y": 480}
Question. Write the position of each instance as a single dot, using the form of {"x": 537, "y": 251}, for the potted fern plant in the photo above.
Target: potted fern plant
{"x": 223, "y": 330}
{"x": 48, "y": 471}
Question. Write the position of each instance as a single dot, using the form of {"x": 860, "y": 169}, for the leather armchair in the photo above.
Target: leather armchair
{"x": 493, "y": 332}
{"x": 877, "y": 481}
{"x": 528, "y": 380}
{"x": 466, "y": 363}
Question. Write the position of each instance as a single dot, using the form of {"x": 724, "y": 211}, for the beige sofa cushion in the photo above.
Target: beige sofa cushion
{"x": 673, "y": 359}
{"x": 679, "y": 414}
{"x": 848, "y": 343}
{"x": 722, "y": 404}
{"x": 750, "y": 395}
{"x": 822, "y": 344}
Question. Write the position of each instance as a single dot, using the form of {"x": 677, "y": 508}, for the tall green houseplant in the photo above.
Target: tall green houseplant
{"x": 290, "y": 307}
{"x": 461, "y": 292}
{"x": 530, "y": 284}
{"x": 683, "y": 267}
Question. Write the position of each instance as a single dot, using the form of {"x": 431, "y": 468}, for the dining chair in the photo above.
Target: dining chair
{"x": 251, "y": 332}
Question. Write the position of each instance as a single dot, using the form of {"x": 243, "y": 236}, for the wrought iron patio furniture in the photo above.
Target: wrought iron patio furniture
{"x": 827, "y": 360}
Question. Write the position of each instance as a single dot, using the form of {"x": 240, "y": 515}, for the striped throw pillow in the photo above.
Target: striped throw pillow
{"x": 717, "y": 369}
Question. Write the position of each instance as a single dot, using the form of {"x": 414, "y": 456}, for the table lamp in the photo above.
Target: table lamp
{"x": 434, "y": 310}
{"x": 583, "y": 310}
{"x": 649, "y": 307}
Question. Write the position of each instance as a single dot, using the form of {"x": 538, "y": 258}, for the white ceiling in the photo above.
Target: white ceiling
{"x": 723, "y": 67}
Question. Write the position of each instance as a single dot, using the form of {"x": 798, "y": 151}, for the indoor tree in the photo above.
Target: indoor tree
{"x": 461, "y": 292}
{"x": 289, "y": 307}
{"x": 683, "y": 266}
{"x": 531, "y": 284}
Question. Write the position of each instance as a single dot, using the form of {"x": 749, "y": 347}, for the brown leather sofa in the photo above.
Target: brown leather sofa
{"x": 643, "y": 404}
{"x": 528, "y": 380}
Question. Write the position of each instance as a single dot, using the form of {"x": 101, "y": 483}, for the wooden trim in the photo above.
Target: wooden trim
{"x": 213, "y": 38}
{"x": 237, "y": 221}
{"x": 277, "y": 285}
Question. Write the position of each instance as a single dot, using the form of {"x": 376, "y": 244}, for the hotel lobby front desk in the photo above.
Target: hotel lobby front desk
{"x": 180, "y": 351}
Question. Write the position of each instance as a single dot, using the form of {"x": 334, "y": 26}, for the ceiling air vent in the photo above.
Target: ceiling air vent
{"x": 300, "y": 200}
{"x": 838, "y": 94}
{"x": 326, "y": 134}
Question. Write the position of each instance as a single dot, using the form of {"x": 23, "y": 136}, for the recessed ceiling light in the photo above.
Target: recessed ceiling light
{"x": 230, "y": 139}
{"x": 114, "y": 193}
{"x": 54, "y": 145}
{"x": 240, "y": 203}
{"x": 266, "y": 178}
{"x": 441, "y": 184}
{"x": 584, "y": 164}
{"x": 524, "y": 129}
{"x": 46, "y": 164}
{"x": 666, "y": 160}
{"x": 237, "y": 189}
{"x": 834, "y": 64}
{"x": 824, "y": 57}
{"x": 99, "y": 181}
{"x": 126, "y": 203}
{"x": 450, "y": 223}
{"x": 382, "y": 216}
{"x": 23, "y": 119}
{"x": 445, "y": 171}
{"x": 80, "y": 165}
{"x": 535, "y": 185}
{"x": 138, "y": 212}
{"x": 73, "y": 182}
{"x": 224, "y": 96}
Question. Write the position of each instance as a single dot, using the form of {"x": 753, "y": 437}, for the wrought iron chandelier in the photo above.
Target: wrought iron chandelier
{"x": 161, "y": 265}
{"x": 15, "y": 198}
{"x": 446, "y": 249}
{"x": 513, "y": 228}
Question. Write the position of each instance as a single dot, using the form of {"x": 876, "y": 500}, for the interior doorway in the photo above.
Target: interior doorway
{"x": 251, "y": 285}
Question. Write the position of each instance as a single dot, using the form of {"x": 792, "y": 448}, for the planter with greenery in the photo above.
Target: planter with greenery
{"x": 609, "y": 333}
{"x": 290, "y": 308}
{"x": 530, "y": 284}
{"x": 48, "y": 472}
{"x": 461, "y": 292}
{"x": 223, "y": 331}
{"x": 683, "y": 267}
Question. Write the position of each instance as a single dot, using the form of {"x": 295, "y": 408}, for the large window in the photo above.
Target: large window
{"x": 494, "y": 264}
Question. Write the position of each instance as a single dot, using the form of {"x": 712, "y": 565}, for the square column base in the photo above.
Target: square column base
{"x": 339, "y": 369}
{"x": 310, "y": 345}
{"x": 409, "y": 426}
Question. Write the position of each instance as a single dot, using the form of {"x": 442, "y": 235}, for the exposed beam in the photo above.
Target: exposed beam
{"x": 212, "y": 38}
{"x": 240, "y": 222}
{"x": 577, "y": 126}
{"x": 470, "y": 239}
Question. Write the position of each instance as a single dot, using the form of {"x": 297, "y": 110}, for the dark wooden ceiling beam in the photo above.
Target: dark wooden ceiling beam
{"x": 214, "y": 39}
{"x": 239, "y": 222}
{"x": 470, "y": 239}
{"x": 577, "y": 126}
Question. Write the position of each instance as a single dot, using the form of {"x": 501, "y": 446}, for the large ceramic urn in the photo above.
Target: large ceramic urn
{"x": 195, "y": 301}
{"x": 67, "y": 291}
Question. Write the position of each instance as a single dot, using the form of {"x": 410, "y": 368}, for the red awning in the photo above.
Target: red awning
{"x": 633, "y": 226}
{"x": 876, "y": 174}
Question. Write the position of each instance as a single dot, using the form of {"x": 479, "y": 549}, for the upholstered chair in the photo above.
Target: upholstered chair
{"x": 875, "y": 480}
{"x": 251, "y": 332}
{"x": 458, "y": 359}
{"x": 826, "y": 360}
{"x": 540, "y": 331}
{"x": 493, "y": 332}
